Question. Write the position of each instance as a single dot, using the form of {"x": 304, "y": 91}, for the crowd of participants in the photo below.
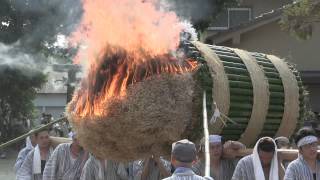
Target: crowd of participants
{"x": 39, "y": 160}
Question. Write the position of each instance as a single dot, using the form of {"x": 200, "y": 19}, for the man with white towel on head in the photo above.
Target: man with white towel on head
{"x": 33, "y": 166}
{"x": 221, "y": 168}
{"x": 307, "y": 165}
{"x": 262, "y": 164}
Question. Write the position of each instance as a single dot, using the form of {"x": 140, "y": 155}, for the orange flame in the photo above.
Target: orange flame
{"x": 130, "y": 24}
{"x": 126, "y": 42}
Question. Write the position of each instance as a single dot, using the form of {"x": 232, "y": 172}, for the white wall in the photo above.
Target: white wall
{"x": 314, "y": 90}
{"x": 53, "y": 104}
{"x": 55, "y": 100}
{"x": 56, "y": 112}
{"x": 270, "y": 39}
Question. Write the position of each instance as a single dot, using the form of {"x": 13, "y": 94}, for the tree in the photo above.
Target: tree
{"x": 34, "y": 25}
{"x": 18, "y": 87}
{"x": 300, "y": 17}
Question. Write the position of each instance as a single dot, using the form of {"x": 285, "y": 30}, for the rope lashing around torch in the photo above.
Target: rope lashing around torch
{"x": 291, "y": 105}
{"x": 220, "y": 79}
{"x": 217, "y": 115}
{"x": 260, "y": 98}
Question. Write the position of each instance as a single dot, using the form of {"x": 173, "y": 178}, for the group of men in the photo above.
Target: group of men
{"x": 39, "y": 160}
{"x": 68, "y": 161}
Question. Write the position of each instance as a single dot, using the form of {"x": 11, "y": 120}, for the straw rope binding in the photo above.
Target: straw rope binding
{"x": 221, "y": 90}
{"x": 260, "y": 98}
{"x": 291, "y": 99}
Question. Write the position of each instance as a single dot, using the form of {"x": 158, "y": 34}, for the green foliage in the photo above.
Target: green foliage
{"x": 299, "y": 18}
{"x": 33, "y": 25}
{"x": 18, "y": 87}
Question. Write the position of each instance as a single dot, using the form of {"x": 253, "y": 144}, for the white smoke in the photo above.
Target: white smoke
{"x": 61, "y": 42}
{"x": 12, "y": 55}
{"x": 3, "y": 23}
{"x": 189, "y": 32}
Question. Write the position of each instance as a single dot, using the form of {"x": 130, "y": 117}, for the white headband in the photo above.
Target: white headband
{"x": 307, "y": 140}
{"x": 214, "y": 139}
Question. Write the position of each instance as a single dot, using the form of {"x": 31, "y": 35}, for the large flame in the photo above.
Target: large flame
{"x": 126, "y": 41}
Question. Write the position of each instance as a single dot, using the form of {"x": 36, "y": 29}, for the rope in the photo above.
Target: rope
{"x": 291, "y": 97}
{"x": 221, "y": 89}
{"x": 260, "y": 87}
{"x": 217, "y": 115}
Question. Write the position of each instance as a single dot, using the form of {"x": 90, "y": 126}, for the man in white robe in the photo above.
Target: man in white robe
{"x": 30, "y": 144}
{"x": 307, "y": 165}
{"x": 262, "y": 164}
{"x": 221, "y": 168}
{"x": 33, "y": 166}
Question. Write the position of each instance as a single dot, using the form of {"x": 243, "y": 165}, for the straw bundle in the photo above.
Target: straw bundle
{"x": 155, "y": 113}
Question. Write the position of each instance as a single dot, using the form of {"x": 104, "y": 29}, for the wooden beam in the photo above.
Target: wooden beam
{"x": 285, "y": 154}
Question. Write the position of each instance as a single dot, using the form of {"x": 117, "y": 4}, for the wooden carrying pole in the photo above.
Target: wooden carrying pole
{"x": 22, "y": 137}
{"x": 206, "y": 136}
{"x": 55, "y": 141}
{"x": 285, "y": 154}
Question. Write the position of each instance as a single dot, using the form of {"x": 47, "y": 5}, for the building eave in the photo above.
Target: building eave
{"x": 235, "y": 32}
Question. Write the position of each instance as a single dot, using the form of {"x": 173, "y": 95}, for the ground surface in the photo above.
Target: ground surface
{"x": 6, "y": 166}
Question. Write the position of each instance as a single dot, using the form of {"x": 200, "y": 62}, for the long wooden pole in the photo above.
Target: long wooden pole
{"x": 22, "y": 137}
{"x": 285, "y": 154}
{"x": 206, "y": 136}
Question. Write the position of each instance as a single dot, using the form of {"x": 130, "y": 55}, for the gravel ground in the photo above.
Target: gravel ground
{"x": 6, "y": 166}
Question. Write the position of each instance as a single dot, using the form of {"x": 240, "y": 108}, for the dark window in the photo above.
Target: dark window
{"x": 238, "y": 16}
{"x": 231, "y": 17}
